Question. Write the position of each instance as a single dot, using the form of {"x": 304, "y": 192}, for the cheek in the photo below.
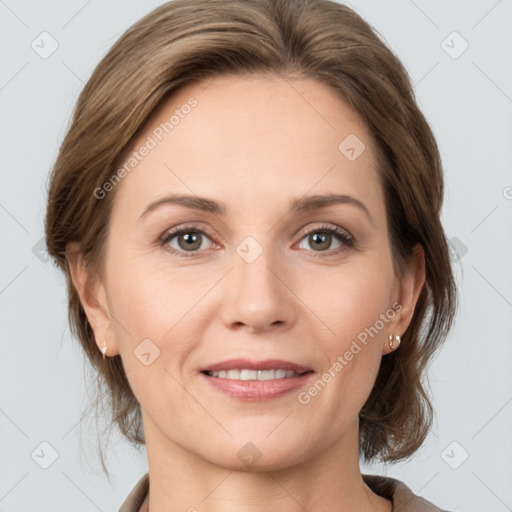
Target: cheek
{"x": 352, "y": 299}
{"x": 354, "y": 303}
{"x": 156, "y": 313}
{"x": 152, "y": 301}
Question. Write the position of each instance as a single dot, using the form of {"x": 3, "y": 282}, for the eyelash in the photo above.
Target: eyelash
{"x": 343, "y": 236}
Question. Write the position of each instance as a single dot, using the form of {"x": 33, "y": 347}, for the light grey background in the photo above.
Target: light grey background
{"x": 467, "y": 98}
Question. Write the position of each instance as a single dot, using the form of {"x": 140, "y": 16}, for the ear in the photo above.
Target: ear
{"x": 93, "y": 298}
{"x": 409, "y": 289}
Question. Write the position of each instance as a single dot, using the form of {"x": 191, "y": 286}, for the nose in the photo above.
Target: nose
{"x": 257, "y": 296}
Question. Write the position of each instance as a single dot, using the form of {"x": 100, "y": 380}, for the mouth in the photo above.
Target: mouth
{"x": 256, "y": 380}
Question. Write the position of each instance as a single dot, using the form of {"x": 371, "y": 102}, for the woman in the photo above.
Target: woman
{"x": 246, "y": 208}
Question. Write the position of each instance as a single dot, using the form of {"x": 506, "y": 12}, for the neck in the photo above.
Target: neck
{"x": 331, "y": 480}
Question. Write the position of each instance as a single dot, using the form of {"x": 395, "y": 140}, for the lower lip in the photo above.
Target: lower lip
{"x": 257, "y": 389}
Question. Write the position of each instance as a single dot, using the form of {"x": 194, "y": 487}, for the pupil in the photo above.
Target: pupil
{"x": 189, "y": 241}
{"x": 322, "y": 240}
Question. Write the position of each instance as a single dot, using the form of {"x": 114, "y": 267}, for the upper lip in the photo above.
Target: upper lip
{"x": 267, "y": 364}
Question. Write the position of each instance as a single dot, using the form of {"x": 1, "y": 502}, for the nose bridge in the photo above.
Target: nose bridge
{"x": 256, "y": 295}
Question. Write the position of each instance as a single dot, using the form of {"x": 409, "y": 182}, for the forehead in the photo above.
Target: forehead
{"x": 247, "y": 139}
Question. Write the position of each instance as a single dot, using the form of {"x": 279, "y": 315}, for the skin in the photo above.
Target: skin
{"x": 254, "y": 143}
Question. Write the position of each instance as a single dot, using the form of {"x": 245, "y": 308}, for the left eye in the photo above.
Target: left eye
{"x": 321, "y": 240}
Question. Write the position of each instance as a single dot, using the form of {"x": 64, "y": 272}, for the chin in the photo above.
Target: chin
{"x": 260, "y": 454}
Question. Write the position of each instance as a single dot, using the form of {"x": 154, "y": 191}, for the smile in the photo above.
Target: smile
{"x": 246, "y": 374}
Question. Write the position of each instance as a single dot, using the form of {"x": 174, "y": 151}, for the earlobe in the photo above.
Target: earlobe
{"x": 93, "y": 298}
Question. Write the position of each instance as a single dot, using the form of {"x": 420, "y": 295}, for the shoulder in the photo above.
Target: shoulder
{"x": 404, "y": 500}
{"x": 135, "y": 499}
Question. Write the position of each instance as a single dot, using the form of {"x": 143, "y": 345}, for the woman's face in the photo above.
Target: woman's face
{"x": 254, "y": 265}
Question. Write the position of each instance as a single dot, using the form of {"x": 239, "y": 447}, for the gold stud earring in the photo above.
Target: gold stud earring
{"x": 104, "y": 349}
{"x": 392, "y": 339}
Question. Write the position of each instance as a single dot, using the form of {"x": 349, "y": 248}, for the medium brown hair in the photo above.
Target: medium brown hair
{"x": 187, "y": 40}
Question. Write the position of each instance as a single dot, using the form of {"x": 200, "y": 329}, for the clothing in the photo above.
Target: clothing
{"x": 404, "y": 500}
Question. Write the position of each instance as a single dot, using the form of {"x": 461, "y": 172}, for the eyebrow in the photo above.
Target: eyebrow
{"x": 300, "y": 205}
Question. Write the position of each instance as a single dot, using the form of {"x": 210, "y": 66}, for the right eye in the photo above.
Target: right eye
{"x": 186, "y": 240}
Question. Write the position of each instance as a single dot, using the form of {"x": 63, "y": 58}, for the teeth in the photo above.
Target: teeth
{"x": 246, "y": 374}
{"x": 233, "y": 374}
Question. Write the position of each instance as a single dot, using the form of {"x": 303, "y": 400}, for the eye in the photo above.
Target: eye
{"x": 320, "y": 239}
{"x": 187, "y": 239}
{"x": 192, "y": 240}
